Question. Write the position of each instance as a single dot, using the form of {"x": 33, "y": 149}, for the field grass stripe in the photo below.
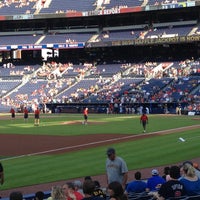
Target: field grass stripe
{"x": 104, "y": 141}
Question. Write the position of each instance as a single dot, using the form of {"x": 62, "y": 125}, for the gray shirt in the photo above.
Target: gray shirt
{"x": 115, "y": 169}
{"x": 197, "y": 172}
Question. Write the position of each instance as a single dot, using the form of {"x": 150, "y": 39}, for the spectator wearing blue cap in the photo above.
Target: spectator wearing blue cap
{"x": 154, "y": 183}
{"x": 116, "y": 168}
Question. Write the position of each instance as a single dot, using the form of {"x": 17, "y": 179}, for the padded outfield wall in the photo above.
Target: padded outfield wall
{"x": 154, "y": 108}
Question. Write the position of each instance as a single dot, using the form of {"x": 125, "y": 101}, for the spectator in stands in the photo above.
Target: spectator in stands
{"x": 116, "y": 191}
{"x": 39, "y": 195}
{"x": 88, "y": 190}
{"x": 87, "y": 178}
{"x": 136, "y": 186}
{"x": 197, "y": 171}
{"x": 196, "y": 166}
{"x": 166, "y": 175}
{"x": 154, "y": 183}
{"x": 57, "y": 193}
{"x": 190, "y": 180}
{"x": 173, "y": 187}
{"x": 98, "y": 190}
{"x": 116, "y": 168}
{"x": 1, "y": 174}
{"x": 16, "y": 195}
{"x": 70, "y": 192}
{"x": 78, "y": 186}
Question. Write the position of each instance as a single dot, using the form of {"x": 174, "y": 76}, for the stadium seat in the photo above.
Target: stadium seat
{"x": 136, "y": 196}
{"x": 178, "y": 198}
{"x": 196, "y": 197}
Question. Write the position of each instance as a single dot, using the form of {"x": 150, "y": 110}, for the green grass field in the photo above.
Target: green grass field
{"x": 148, "y": 152}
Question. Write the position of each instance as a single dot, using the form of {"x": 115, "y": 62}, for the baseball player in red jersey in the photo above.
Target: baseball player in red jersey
{"x": 37, "y": 117}
{"x": 25, "y": 114}
{"x": 144, "y": 121}
{"x": 12, "y": 111}
{"x": 85, "y": 115}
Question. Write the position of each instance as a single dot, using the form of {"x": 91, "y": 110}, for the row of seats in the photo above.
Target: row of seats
{"x": 71, "y": 38}
{"x": 61, "y": 6}
{"x": 135, "y": 196}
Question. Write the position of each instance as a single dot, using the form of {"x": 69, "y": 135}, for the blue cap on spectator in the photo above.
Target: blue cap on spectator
{"x": 110, "y": 151}
{"x": 154, "y": 172}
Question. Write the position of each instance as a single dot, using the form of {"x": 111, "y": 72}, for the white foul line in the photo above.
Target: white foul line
{"x": 98, "y": 142}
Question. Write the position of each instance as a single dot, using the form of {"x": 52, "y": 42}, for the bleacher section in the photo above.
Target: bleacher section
{"x": 66, "y": 38}
{"x": 8, "y": 85}
{"x": 126, "y": 82}
{"x": 13, "y": 8}
{"x": 100, "y": 83}
{"x": 131, "y": 196}
{"x": 169, "y": 31}
{"x": 122, "y": 3}
{"x": 19, "y": 40}
{"x": 119, "y": 35}
{"x": 79, "y": 91}
{"x": 61, "y": 6}
{"x": 90, "y": 83}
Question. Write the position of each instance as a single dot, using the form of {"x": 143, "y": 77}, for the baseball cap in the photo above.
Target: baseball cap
{"x": 188, "y": 162}
{"x": 110, "y": 151}
{"x": 154, "y": 172}
{"x": 77, "y": 183}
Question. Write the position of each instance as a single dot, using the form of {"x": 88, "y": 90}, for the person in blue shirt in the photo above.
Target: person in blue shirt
{"x": 154, "y": 183}
{"x": 190, "y": 180}
{"x": 136, "y": 186}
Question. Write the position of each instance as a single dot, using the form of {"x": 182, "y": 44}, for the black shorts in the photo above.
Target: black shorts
{"x": 85, "y": 117}
{"x": 13, "y": 115}
{"x": 25, "y": 115}
{"x": 37, "y": 116}
{"x": 144, "y": 123}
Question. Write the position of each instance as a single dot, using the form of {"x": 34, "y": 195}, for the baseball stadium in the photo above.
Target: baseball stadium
{"x": 117, "y": 59}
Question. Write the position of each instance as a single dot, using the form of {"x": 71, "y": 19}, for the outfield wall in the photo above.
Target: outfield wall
{"x": 136, "y": 108}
